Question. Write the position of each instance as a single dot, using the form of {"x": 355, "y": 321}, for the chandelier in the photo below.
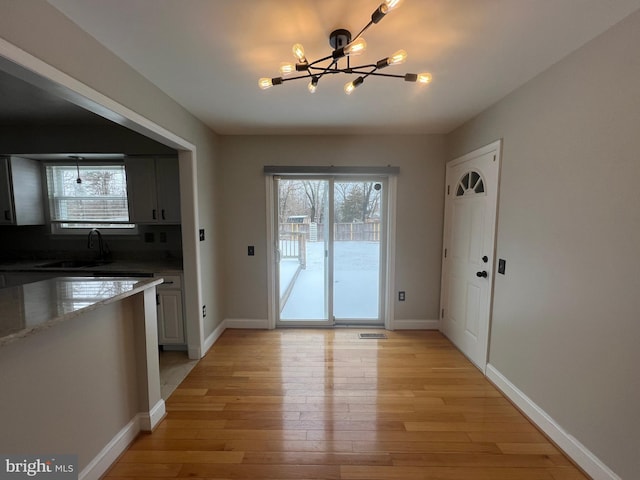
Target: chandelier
{"x": 344, "y": 47}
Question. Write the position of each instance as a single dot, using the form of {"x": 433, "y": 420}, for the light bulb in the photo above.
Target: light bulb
{"x": 287, "y": 68}
{"x": 265, "y": 83}
{"x": 312, "y": 87}
{"x": 356, "y": 47}
{"x": 351, "y": 86}
{"x": 391, "y": 4}
{"x": 424, "y": 78}
{"x": 298, "y": 52}
{"x": 397, "y": 58}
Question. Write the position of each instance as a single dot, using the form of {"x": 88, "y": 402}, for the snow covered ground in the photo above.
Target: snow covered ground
{"x": 356, "y": 283}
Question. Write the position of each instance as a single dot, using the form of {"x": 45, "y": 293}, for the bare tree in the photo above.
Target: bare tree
{"x": 316, "y": 193}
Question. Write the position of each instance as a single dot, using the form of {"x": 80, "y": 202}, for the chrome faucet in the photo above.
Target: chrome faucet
{"x": 103, "y": 249}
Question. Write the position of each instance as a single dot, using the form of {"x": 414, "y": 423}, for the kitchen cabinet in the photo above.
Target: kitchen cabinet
{"x": 170, "y": 310}
{"x": 21, "y": 197}
{"x": 153, "y": 190}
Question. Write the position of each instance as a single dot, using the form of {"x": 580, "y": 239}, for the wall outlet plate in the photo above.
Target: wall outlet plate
{"x": 202, "y": 234}
{"x": 251, "y": 250}
{"x": 401, "y": 296}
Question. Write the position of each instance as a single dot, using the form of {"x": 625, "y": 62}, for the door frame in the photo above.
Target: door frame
{"x": 33, "y": 70}
{"x": 387, "y": 256}
{"x": 496, "y": 149}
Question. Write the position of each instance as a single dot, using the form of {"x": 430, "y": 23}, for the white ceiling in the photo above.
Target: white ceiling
{"x": 209, "y": 54}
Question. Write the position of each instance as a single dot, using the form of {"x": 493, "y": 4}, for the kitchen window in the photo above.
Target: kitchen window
{"x": 88, "y": 196}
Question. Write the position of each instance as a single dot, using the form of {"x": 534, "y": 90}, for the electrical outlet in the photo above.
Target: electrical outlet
{"x": 202, "y": 234}
{"x": 163, "y": 237}
{"x": 251, "y": 251}
{"x": 204, "y": 311}
{"x": 149, "y": 237}
{"x": 401, "y": 296}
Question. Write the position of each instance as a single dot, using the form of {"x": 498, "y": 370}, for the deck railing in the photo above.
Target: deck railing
{"x": 294, "y": 245}
{"x": 355, "y": 232}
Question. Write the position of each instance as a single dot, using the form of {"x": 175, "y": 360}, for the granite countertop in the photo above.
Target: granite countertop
{"x": 32, "y": 307}
{"x": 116, "y": 267}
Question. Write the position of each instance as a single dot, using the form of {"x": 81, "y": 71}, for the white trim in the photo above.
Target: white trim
{"x": 571, "y": 446}
{"x": 272, "y": 280}
{"x": 390, "y": 280}
{"x": 417, "y": 324}
{"x": 111, "y": 451}
{"x": 194, "y": 353}
{"x": 148, "y": 421}
{"x": 213, "y": 337}
{"x": 249, "y": 323}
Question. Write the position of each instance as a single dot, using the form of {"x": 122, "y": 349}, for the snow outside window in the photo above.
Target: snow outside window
{"x": 88, "y": 196}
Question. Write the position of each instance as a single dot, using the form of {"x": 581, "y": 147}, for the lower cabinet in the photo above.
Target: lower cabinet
{"x": 170, "y": 310}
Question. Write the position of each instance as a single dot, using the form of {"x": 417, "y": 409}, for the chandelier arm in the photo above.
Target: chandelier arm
{"x": 376, "y": 74}
{"x": 324, "y": 70}
{"x": 362, "y": 31}
{"x": 297, "y": 78}
{"x": 321, "y": 60}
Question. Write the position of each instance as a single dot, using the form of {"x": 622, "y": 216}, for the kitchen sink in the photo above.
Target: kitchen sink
{"x": 73, "y": 264}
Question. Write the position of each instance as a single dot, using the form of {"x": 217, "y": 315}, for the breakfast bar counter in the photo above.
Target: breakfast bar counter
{"x": 79, "y": 367}
{"x": 29, "y": 308}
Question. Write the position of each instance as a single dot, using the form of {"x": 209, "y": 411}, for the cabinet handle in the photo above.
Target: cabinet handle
{"x": 7, "y": 215}
{"x": 163, "y": 214}
{"x": 167, "y": 283}
{"x": 153, "y": 214}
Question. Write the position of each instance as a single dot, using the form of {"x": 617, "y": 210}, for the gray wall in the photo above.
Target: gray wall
{"x": 419, "y": 210}
{"x": 566, "y": 314}
{"x": 71, "y": 388}
{"x": 41, "y": 30}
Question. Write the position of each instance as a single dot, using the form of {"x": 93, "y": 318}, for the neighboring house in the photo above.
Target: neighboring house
{"x": 566, "y": 314}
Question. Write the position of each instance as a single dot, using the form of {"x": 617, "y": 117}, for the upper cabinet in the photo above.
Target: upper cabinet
{"x": 153, "y": 190}
{"x": 21, "y": 197}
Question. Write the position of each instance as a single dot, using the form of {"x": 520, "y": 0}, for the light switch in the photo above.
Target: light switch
{"x": 502, "y": 265}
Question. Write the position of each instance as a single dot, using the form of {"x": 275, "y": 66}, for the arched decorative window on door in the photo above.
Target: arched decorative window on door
{"x": 471, "y": 183}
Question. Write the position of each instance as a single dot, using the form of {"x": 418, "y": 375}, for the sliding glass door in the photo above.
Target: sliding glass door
{"x": 303, "y": 250}
{"x": 357, "y": 240}
{"x": 329, "y": 250}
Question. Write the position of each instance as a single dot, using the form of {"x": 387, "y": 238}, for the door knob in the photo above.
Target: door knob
{"x": 485, "y": 259}
{"x": 482, "y": 274}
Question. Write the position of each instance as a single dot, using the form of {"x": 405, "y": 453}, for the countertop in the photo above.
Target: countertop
{"x": 116, "y": 267}
{"x": 32, "y": 307}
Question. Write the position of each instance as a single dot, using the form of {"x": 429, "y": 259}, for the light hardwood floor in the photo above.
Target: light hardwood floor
{"x": 323, "y": 404}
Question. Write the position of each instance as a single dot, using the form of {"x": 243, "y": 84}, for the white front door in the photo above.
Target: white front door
{"x": 469, "y": 245}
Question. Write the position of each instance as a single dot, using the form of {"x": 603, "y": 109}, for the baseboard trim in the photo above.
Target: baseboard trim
{"x": 148, "y": 421}
{"x": 253, "y": 323}
{"x": 416, "y": 324}
{"x": 571, "y": 446}
{"x": 112, "y": 450}
{"x": 213, "y": 337}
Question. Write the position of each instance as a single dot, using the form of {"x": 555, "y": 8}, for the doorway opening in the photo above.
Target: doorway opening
{"x": 330, "y": 241}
